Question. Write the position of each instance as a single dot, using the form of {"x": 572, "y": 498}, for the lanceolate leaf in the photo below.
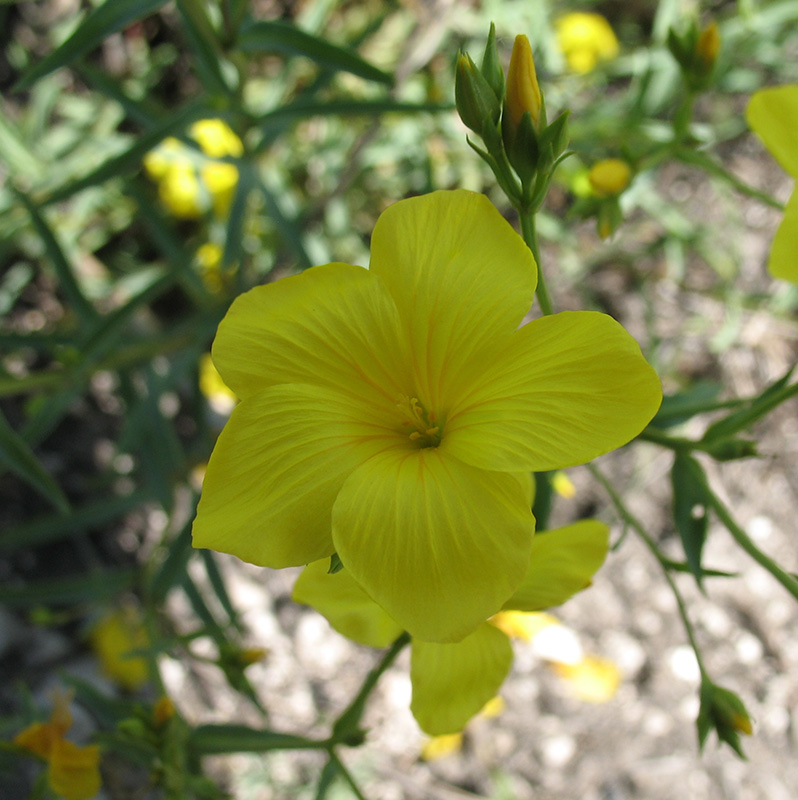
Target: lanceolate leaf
{"x": 16, "y": 455}
{"x": 690, "y": 510}
{"x": 281, "y": 37}
{"x": 110, "y": 17}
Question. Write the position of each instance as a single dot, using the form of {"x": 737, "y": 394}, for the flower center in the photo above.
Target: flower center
{"x": 423, "y": 426}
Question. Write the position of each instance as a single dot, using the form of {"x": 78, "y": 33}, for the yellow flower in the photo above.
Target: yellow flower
{"x": 523, "y": 91}
{"x": 192, "y": 183}
{"x": 585, "y": 39}
{"x": 453, "y": 681}
{"x": 113, "y": 638}
{"x": 773, "y": 115}
{"x": 216, "y": 138}
{"x": 392, "y": 415}
{"x": 221, "y": 399}
{"x": 72, "y": 771}
{"x": 163, "y": 711}
{"x": 609, "y": 177}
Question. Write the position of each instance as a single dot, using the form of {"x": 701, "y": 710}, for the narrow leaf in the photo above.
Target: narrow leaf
{"x": 690, "y": 510}
{"x": 18, "y": 457}
{"x": 83, "y": 308}
{"x": 284, "y": 38}
{"x": 110, "y": 17}
{"x": 81, "y": 588}
{"x": 44, "y": 529}
{"x": 774, "y": 395}
{"x": 215, "y": 739}
{"x": 130, "y": 159}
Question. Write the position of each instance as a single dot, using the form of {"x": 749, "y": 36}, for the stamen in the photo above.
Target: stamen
{"x": 424, "y": 431}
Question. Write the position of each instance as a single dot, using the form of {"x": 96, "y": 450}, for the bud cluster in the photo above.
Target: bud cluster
{"x": 722, "y": 710}
{"x": 696, "y": 52}
{"x": 521, "y": 148}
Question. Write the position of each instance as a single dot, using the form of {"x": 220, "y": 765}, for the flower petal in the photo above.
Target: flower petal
{"x": 346, "y": 606}
{"x": 562, "y": 563}
{"x": 333, "y": 325}
{"x": 275, "y": 471}
{"x": 569, "y": 387}
{"x": 783, "y": 262}
{"x": 773, "y": 115}
{"x": 438, "y": 544}
{"x": 452, "y": 682}
{"x": 461, "y": 278}
{"x": 73, "y": 771}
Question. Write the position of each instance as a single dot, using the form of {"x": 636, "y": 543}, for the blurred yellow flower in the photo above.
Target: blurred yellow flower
{"x": 585, "y": 39}
{"x": 442, "y": 746}
{"x": 593, "y": 679}
{"x": 220, "y": 397}
{"x": 191, "y": 183}
{"x": 563, "y": 485}
{"x": 609, "y": 177}
{"x": 162, "y": 711}
{"x": 114, "y": 638}
{"x": 72, "y": 771}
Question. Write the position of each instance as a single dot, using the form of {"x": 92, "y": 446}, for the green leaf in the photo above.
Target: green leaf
{"x": 774, "y": 395}
{"x": 679, "y": 407}
{"x": 284, "y": 38}
{"x": 83, "y": 308}
{"x": 234, "y": 231}
{"x": 171, "y": 570}
{"x": 690, "y": 506}
{"x": 89, "y": 588}
{"x": 18, "y": 457}
{"x": 217, "y": 584}
{"x": 205, "y": 43}
{"x": 290, "y": 230}
{"x": 130, "y": 159}
{"x": 49, "y": 528}
{"x": 214, "y": 739}
{"x": 110, "y": 17}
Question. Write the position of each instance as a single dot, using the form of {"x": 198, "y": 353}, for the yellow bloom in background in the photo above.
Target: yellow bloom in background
{"x": 191, "y": 183}
{"x": 220, "y": 398}
{"x": 773, "y": 115}
{"x": 585, "y": 39}
{"x": 523, "y": 91}
{"x": 392, "y": 415}
{"x": 114, "y": 638}
{"x": 72, "y": 770}
{"x": 453, "y": 682}
{"x": 593, "y": 679}
{"x": 609, "y": 177}
{"x": 442, "y": 746}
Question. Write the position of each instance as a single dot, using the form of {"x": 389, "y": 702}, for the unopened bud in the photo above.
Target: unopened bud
{"x": 476, "y": 101}
{"x": 609, "y": 177}
{"x": 707, "y": 47}
{"x": 523, "y": 91}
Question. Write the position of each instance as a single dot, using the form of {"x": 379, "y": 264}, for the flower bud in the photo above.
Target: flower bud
{"x": 609, "y": 177}
{"x": 707, "y": 47}
{"x": 476, "y": 101}
{"x": 523, "y": 91}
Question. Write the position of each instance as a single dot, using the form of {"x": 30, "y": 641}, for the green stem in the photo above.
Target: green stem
{"x": 347, "y": 775}
{"x": 635, "y": 523}
{"x": 345, "y": 729}
{"x": 529, "y": 233}
{"x": 742, "y": 538}
{"x": 683, "y": 117}
{"x": 699, "y": 159}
